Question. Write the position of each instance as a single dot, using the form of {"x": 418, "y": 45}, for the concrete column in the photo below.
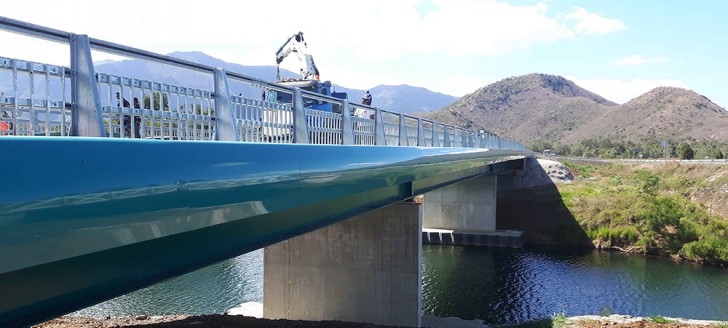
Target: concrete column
{"x": 466, "y": 206}
{"x": 364, "y": 269}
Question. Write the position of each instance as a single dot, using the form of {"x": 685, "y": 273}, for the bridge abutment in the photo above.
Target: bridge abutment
{"x": 364, "y": 269}
{"x": 465, "y": 214}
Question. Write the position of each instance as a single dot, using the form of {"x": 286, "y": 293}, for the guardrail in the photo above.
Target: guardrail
{"x": 50, "y": 100}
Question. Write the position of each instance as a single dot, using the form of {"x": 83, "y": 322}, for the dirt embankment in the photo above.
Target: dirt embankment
{"x": 200, "y": 321}
{"x": 215, "y": 321}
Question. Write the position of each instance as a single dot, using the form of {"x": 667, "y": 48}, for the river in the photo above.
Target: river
{"x": 496, "y": 285}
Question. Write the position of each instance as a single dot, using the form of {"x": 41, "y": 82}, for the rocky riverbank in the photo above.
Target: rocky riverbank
{"x": 215, "y": 321}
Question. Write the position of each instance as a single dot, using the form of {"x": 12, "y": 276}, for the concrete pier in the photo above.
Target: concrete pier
{"x": 465, "y": 214}
{"x": 364, "y": 269}
{"x": 469, "y": 205}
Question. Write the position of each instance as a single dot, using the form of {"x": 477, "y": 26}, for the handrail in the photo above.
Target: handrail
{"x": 87, "y": 110}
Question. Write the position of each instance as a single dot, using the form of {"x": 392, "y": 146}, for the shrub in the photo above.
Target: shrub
{"x": 717, "y": 154}
{"x": 648, "y": 182}
{"x": 687, "y": 232}
{"x": 663, "y": 212}
{"x": 685, "y": 151}
{"x": 710, "y": 249}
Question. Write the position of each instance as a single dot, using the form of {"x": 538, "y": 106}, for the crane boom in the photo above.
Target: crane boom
{"x": 296, "y": 44}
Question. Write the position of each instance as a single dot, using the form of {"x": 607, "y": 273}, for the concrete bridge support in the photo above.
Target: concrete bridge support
{"x": 465, "y": 206}
{"x": 465, "y": 214}
{"x": 364, "y": 269}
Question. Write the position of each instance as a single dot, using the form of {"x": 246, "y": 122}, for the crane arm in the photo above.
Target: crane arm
{"x": 296, "y": 44}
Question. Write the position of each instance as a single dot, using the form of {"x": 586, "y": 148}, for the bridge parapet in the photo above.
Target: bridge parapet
{"x": 47, "y": 100}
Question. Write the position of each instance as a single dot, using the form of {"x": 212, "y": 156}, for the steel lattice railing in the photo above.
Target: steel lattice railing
{"x": 38, "y": 99}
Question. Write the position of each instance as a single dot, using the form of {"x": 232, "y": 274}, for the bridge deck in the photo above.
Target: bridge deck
{"x": 91, "y": 218}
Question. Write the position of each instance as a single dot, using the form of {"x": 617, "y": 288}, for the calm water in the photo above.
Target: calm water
{"x": 495, "y": 285}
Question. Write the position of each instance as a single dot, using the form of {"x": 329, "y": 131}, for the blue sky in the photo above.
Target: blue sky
{"x": 618, "y": 49}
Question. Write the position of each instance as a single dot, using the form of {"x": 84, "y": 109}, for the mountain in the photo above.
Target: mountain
{"x": 403, "y": 98}
{"x": 665, "y": 113}
{"x": 539, "y": 107}
{"x": 414, "y": 99}
{"x": 527, "y": 108}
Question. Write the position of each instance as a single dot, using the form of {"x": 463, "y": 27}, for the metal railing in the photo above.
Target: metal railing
{"x": 33, "y": 99}
{"x": 48, "y": 100}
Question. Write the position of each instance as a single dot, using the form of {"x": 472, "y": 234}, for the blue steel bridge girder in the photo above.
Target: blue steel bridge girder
{"x": 110, "y": 224}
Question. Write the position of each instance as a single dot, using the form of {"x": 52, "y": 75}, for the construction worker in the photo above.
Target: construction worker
{"x": 367, "y": 99}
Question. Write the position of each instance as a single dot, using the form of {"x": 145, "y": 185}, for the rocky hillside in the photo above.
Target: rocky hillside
{"x": 527, "y": 108}
{"x": 539, "y": 107}
{"x": 665, "y": 112}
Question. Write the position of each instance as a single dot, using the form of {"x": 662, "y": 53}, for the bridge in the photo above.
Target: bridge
{"x": 105, "y": 194}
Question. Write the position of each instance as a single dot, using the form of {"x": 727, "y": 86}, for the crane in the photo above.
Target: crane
{"x": 296, "y": 44}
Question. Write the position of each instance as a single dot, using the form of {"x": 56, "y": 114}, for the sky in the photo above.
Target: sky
{"x": 618, "y": 49}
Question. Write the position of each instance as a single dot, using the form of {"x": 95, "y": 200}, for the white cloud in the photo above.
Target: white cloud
{"x": 459, "y": 85}
{"x": 622, "y": 91}
{"x": 379, "y": 29}
{"x": 340, "y": 35}
{"x": 591, "y": 23}
{"x": 640, "y": 60}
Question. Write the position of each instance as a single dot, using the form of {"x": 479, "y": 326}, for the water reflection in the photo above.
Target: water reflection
{"x": 492, "y": 284}
{"x": 213, "y": 289}
{"x": 509, "y": 286}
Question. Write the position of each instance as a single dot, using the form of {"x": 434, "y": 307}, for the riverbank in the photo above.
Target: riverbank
{"x": 670, "y": 210}
{"x": 214, "y": 321}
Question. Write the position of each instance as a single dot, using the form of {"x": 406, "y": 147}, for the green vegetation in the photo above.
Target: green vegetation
{"x": 559, "y": 320}
{"x": 542, "y": 323}
{"x": 607, "y": 147}
{"x": 649, "y": 210}
{"x": 684, "y": 151}
{"x": 661, "y": 320}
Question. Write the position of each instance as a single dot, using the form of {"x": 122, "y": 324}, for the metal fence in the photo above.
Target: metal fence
{"x": 45, "y": 100}
{"x": 134, "y": 108}
{"x": 33, "y": 99}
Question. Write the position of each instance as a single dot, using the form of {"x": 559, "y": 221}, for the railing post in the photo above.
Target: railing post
{"x": 402, "y": 131}
{"x": 379, "y": 128}
{"x": 300, "y": 127}
{"x": 464, "y": 136}
{"x": 420, "y": 134}
{"x": 225, "y": 129}
{"x": 481, "y": 143}
{"x": 446, "y": 142}
{"x": 86, "y": 118}
{"x": 458, "y": 141}
{"x": 347, "y": 129}
{"x": 435, "y": 136}
{"x": 471, "y": 141}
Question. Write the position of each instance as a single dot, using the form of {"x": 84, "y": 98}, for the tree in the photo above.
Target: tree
{"x": 165, "y": 100}
{"x": 685, "y": 151}
{"x": 717, "y": 154}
